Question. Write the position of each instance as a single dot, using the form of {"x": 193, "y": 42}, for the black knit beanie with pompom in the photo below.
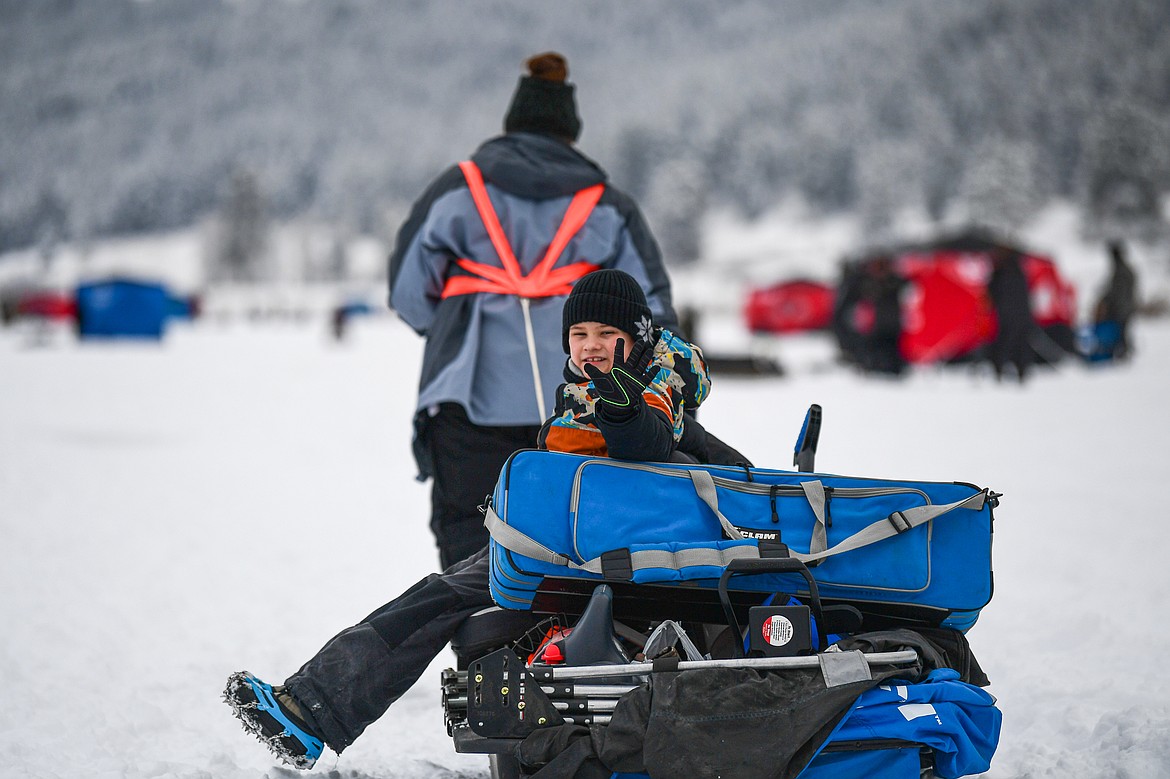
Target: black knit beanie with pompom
{"x": 544, "y": 102}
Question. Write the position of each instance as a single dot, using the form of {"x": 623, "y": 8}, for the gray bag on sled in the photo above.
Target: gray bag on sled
{"x": 916, "y": 553}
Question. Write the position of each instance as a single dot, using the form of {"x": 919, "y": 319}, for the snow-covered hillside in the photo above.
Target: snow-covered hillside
{"x": 230, "y": 498}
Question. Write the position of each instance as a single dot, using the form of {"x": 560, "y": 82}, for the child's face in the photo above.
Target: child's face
{"x": 591, "y": 343}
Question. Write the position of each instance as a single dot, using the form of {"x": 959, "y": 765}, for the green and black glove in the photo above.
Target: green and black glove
{"x": 620, "y": 391}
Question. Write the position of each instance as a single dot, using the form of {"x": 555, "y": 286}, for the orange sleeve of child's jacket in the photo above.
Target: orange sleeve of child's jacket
{"x": 576, "y": 440}
{"x": 654, "y": 399}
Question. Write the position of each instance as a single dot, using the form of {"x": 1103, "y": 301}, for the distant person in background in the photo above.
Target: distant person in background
{"x": 882, "y": 287}
{"x": 1008, "y": 290}
{"x": 1119, "y": 301}
{"x": 473, "y": 272}
{"x": 339, "y": 322}
{"x": 867, "y": 316}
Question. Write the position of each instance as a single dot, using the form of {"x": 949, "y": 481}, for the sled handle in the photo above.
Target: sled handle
{"x": 754, "y": 565}
{"x": 805, "y": 452}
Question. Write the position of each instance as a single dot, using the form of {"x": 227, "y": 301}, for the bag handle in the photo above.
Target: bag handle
{"x": 705, "y": 488}
{"x": 814, "y": 492}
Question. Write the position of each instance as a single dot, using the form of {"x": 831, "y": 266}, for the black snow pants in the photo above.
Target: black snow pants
{"x": 466, "y": 459}
{"x": 355, "y": 677}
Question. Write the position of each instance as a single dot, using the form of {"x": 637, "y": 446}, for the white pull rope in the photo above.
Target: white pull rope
{"x": 538, "y": 385}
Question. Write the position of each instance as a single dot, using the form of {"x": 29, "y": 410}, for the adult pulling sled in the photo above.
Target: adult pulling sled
{"x": 693, "y": 620}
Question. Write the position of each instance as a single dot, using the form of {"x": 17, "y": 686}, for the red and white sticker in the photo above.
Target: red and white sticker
{"x": 777, "y": 630}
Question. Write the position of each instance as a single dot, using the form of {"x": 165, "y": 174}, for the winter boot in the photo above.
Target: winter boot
{"x": 277, "y": 725}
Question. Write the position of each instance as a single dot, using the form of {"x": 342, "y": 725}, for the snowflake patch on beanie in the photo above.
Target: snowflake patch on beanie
{"x": 644, "y": 326}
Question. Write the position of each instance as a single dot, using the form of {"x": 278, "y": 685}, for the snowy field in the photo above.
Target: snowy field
{"x": 228, "y": 500}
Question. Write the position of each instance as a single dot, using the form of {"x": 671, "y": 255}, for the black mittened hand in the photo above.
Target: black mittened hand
{"x": 620, "y": 390}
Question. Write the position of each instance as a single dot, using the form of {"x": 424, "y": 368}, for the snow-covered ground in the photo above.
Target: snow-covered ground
{"x": 229, "y": 499}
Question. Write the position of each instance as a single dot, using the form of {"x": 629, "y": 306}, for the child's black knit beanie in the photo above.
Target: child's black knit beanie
{"x": 610, "y": 297}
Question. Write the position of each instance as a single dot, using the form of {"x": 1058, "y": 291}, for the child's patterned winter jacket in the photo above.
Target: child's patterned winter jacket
{"x": 682, "y": 382}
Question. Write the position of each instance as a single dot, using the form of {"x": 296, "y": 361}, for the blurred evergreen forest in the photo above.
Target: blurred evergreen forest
{"x": 121, "y": 116}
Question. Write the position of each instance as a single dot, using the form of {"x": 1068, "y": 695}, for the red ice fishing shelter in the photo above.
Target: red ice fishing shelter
{"x": 945, "y": 311}
{"x": 790, "y": 307}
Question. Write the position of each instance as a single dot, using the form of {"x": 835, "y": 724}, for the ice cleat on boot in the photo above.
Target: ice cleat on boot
{"x": 257, "y": 706}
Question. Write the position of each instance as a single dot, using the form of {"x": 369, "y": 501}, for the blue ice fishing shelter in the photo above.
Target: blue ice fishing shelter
{"x": 122, "y": 308}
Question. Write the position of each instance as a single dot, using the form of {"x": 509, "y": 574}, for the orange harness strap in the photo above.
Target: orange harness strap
{"x": 544, "y": 280}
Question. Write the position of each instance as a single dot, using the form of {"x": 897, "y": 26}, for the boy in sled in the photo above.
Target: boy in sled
{"x": 627, "y": 386}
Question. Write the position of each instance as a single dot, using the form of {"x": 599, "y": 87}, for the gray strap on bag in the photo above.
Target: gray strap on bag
{"x": 705, "y": 489}
{"x": 515, "y": 541}
{"x": 814, "y": 491}
{"x": 687, "y": 558}
{"x": 898, "y": 522}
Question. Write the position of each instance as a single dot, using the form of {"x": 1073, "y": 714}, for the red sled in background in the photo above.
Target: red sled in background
{"x": 793, "y": 306}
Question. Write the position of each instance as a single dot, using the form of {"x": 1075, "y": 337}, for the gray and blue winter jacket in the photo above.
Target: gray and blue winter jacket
{"x": 477, "y": 352}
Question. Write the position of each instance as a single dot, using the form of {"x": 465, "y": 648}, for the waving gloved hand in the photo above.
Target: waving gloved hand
{"x": 620, "y": 390}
